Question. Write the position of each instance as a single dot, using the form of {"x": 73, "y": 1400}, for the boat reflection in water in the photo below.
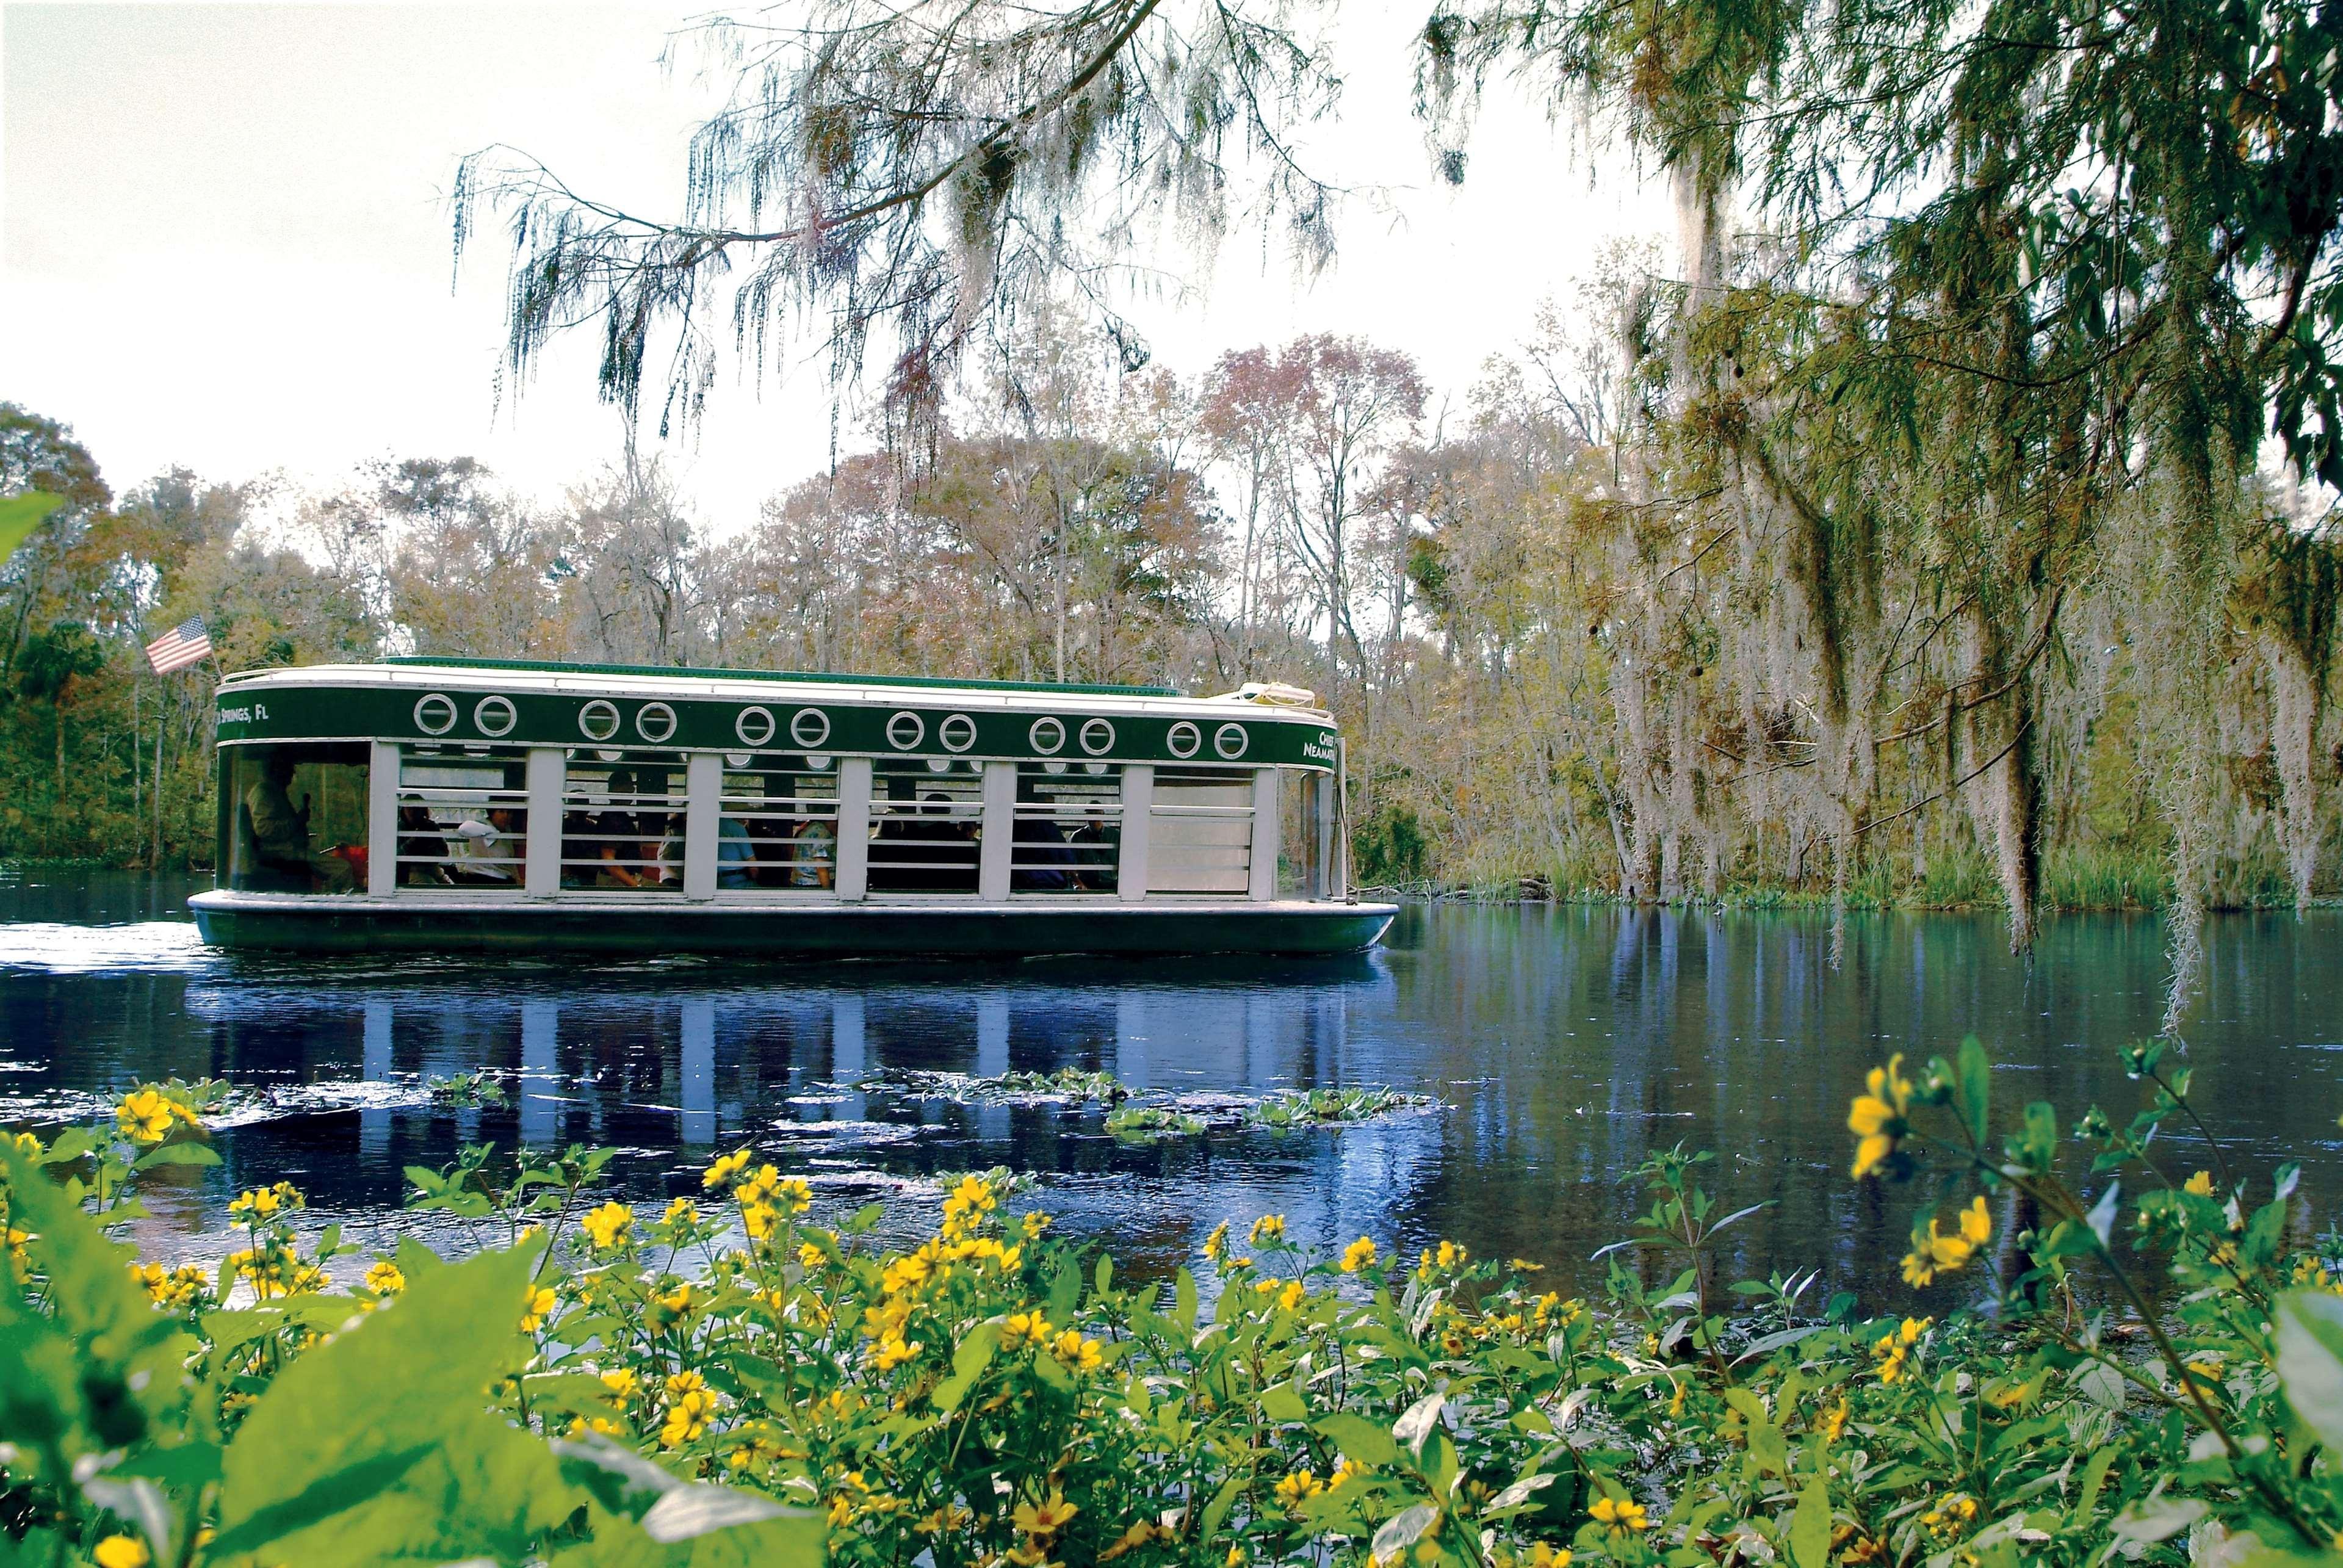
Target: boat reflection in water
{"x": 674, "y": 1062}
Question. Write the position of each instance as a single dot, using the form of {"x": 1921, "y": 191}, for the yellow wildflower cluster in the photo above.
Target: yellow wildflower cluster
{"x": 536, "y": 1306}
{"x": 689, "y": 1405}
{"x": 1299, "y": 1487}
{"x": 1619, "y": 1516}
{"x": 1359, "y": 1254}
{"x": 607, "y": 1225}
{"x": 269, "y": 1202}
{"x": 1952, "y": 1518}
{"x": 1893, "y": 1350}
{"x": 173, "y": 1289}
{"x": 1448, "y": 1255}
{"x": 146, "y": 1116}
{"x": 386, "y": 1278}
{"x": 1268, "y": 1228}
{"x": 1877, "y": 1116}
{"x": 274, "y": 1269}
{"x": 1937, "y": 1250}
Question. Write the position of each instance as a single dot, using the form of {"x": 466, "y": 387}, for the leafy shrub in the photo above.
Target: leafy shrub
{"x": 728, "y": 1380}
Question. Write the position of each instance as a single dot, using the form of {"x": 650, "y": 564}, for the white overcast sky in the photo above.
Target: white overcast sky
{"x": 224, "y": 241}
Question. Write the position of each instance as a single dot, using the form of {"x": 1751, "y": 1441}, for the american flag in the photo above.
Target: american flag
{"x": 180, "y": 646}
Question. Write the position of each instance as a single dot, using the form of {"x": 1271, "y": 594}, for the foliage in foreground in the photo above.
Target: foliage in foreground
{"x": 727, "y": 1381}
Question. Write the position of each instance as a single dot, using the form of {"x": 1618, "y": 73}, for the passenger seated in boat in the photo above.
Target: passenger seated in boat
{"x": 420, "y": 846}
{"x": 1048, "y": 863}
{"x": 489, "y": 854}
{"x": 920, "y": 849}
{"x": 280, "y": 833}
{"x": 814, "y": 859}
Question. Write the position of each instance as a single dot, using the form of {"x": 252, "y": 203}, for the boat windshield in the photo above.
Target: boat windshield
{"x": 294, "y": 819}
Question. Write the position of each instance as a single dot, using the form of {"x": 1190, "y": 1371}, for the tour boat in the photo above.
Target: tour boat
{"x": 467, "y": 804}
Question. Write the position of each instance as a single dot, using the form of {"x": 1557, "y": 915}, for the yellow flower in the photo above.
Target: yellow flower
{"x": 681, "y": 1212}
{"x": 680, "y": 1300}
{"x": 1021, "y": 1329}
{"x": 1291, "y": 1296}
{"x": 724, "y": 1170}
{"x": 759, "y": 1219}
{"x": 1359, "y": 1254}
{"x": 1545, "y": 1556}
{"x": 1269, "y": 1228}
{"x": 604, "y": 1226}
{"x": 1077, "y": 1353}
{"x": 28, "y": 1145}
{"x": 145, "y": 1117}
{"x": 1344, "y": 1471}
{"x": 893, "y": 1352}
{"x": 1032, "y": 1225}
{"x": 622, "y": 1382}
{"x": 812, "y": 1254}
{"x": 1299, "y": 1487}
{"x": 687, "y": 1418}
{"x": 972, "y": 1195}
{"x": 1937, "y": 1251}
{"x": 1836, "y": 1422}
{"x": 795, "y": 1197}
{"x": 1876, "y": 1118}
{"x": 2201, "y": 1185}
{"x": 1216, "y": 1245}
{"x": 904, "y": 1274}
{"x": 1046, "y": 1517}
{"x": 122, "y": 1551}
{"x": 1620, "y": 1516}
{"x": 386, "y": 1278}
{"x": 538, "y": 1306}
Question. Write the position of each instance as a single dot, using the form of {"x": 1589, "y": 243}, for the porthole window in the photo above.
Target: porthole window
{"x": 810, "y": 726}
{"x": 1184, "y": 739}
{"x": 1230, "y": 740}
{"x": 820, "y": 764}
{"x": 598, "y": 719}
{"x": 1097, "y": 735}
{"x": 1047, "y": 736}
{"x": 739, "y": 759}
{"x": 905, "y": 730}
{"x": 655, "y": 722}
{"x": 434, "y": 714}
{"x": 494, "y": 714}
{"x": 957, "y": 732}
{"x": 754, "y": 726}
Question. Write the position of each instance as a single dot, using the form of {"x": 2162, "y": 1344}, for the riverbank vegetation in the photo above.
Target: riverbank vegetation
{"x": 2120, "y": 1359}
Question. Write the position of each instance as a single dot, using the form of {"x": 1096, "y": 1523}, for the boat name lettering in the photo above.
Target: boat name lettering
{"x": 243, "y": 714}
{"x": 1320, "y": 749}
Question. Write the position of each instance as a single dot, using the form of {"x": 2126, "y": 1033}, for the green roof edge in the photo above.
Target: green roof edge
{"x": 925, "y": 682}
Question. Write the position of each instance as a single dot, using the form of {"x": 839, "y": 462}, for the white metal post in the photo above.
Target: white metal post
{"x": 851, "y": 880}
{"x": 1138, "y": 808}
{"x": 1265, "y": 839}
{"x": 541, "y": 871}
{"x": 1321, "y": 801}
{"x": 382, "y": 820}
{"x": 703, "y": 810}
{"x": 1000, "y": 830}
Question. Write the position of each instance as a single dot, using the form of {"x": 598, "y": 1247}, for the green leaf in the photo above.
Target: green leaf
{"x": 1360, "y": 1439}
{"x": 2310, "y": 1361}
{"x": 969, "y": 1359}
{"x": 379, "y": 1444}
{"x": 1065, "y": 1292}
{"x": 1810, "y": 1527}
{"x": 1769, "y": 1451}
{"x": 1975, "y": 1078}
{"x": 177, "y": 1154}
{"x": 1283, "y": 1402}
{"x": 1183, "y": 1301}
{"x": 20, "y": 515}
{"x": 2095, "y": 1475}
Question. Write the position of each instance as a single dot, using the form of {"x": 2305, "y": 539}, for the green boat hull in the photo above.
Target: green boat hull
{"x": 280, "y": 923}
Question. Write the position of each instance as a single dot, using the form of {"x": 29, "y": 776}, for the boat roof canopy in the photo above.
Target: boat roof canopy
{"x": 527, "y": 702}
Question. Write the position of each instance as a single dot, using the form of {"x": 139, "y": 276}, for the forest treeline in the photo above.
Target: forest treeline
{"x": 1565, "y": 663}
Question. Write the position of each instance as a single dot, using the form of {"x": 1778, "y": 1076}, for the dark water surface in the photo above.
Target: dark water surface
{"x": 1564, "y": 1043}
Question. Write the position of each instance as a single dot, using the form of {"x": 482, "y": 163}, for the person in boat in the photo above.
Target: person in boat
{"x": 1044, "y": 864}
{"x": 736, "y": 856}
{"x": 280, "y": 832}
{"x": 420, "y": 846}
{"x": 813, "y": 862}
{"x": 594, "y": 843}
{"x": 490, "y": 853}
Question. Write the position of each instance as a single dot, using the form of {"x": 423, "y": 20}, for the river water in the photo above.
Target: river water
{"x": 1563, "y": 1045}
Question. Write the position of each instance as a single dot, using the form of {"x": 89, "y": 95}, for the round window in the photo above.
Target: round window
{"x": 906, "y": 730}
{"x": 655, "y": 722}
{"x": 1184, "y": 739}
{"x": 810, "y": 726}
{"x": 434, "y": 714}
{"x": 1048, "y": 735}
{"x": 1230, "y": 740}
{"x": 598, "y": 719}
{"x": 494, "y": 714}
{"x": 1097, "y": 736}
{"x": 754, "y": 726}
{"x": 957, "y": 732}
